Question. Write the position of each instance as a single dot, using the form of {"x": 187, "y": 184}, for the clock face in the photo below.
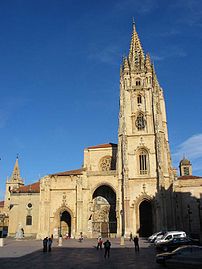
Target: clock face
{"x": 140, "y": 122}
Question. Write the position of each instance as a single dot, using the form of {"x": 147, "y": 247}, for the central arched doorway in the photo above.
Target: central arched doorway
{"x": 104, "y": 220}
{"x": 65, "y": 223}
{"x": 146, "y": 221}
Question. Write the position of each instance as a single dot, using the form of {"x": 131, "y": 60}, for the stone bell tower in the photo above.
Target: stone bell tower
{"x": 144, "y": 162}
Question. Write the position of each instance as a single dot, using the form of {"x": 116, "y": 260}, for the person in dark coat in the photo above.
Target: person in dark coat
{"x": 45, "y": 243}
{"x": 136, "y": 243}
{"x": 50, "y": 241}
{"x": 107, "y": 246}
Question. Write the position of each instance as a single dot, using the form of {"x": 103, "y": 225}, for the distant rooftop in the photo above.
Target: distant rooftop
{"x": 31, "y": 188}
{"x": 109, "y": 145}
{"x": 69, "y": 173}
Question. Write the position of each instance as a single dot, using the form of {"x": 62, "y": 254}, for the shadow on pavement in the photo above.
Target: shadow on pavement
{"x": 83, "y": 258}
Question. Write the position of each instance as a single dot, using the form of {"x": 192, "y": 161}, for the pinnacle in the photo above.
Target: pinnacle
{"x": 136, "y": 54}
{"x": 16, "y": 172}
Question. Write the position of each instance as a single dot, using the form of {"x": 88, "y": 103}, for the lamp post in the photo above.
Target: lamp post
{"x": 60, "y": 235}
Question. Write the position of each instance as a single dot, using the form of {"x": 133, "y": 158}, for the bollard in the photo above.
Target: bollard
{"x": 1, "y": 242}
{"x": 60, "y": 241}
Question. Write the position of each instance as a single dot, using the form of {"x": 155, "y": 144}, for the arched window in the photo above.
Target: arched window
{"x": 140, "y": 122}
{"x": 143, "y": 162}
{"x": 138, "y": 83}
{"x": 28, "y": 220}
{"x": 139, "y": 99}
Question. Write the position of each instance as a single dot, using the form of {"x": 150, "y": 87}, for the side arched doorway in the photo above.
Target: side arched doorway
{"x": 65, "y": 223}
{"x": 104, "y": 220}
{"x": 146, "y": 220}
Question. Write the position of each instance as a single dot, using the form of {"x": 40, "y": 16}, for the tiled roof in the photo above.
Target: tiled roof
{"x": 1, "y": 203}
{"x": 32, "y": 188}
{"x": 69, "y": 173}
{"x": 109, "y": 145}
{"x": 189, "y": 177}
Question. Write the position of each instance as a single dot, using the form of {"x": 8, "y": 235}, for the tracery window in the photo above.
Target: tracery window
{"x": 138, "y": 82}
{"x": 143, "y": 162}
{"x": 140, "y": 122}
{"x": 106, "y": 163}
{"x": 28, "y": 220}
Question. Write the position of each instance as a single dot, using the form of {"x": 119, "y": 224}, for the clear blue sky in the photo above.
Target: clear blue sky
{"x": 59, "y": 77}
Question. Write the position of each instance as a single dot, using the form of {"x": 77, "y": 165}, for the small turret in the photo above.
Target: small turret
{"x": 155, "y": 80}
{"x": 15, "y": 177}
{"x": 14, "y": 182}
{"x": 125, "y": 64}
{"x": 148, "y": 64}
{"x": 185, "y": 167}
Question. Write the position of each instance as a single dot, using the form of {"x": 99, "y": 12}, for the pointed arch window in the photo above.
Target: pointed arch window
{"x": 138, "y": 83}
{"x": 139, "y": 99}
{"x": 140, "y": 122}
{"x": 143, "y": 162}
{"x": 28, "y": 220}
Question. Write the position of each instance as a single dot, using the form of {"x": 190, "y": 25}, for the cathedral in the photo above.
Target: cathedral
{"x": 120, "y": 188}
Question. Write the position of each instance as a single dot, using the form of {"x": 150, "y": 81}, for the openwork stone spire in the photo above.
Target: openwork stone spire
{"x": 136, "y": 54}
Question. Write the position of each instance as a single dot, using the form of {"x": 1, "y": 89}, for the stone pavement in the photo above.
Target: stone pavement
{"x": 27, "y": 254}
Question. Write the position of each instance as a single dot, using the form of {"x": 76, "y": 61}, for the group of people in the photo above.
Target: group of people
{"x": 107, "y": 246}
{"x": 47, "y": 243}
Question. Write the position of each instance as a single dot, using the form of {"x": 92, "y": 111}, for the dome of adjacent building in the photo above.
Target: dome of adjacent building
{"x": 185, "y": 162}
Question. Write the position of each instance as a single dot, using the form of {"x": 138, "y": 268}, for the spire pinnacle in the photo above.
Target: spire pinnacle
{"x": 16, "y": 171}
{"x": 148, "y": 64}
{"x": 136, "y": 54}
{"x": 134, "y": 25}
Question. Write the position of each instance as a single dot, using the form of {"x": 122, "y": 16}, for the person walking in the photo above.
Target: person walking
{"x": 107, "y": 246}
{"x": 131, "y": 237}
{"x": 81, "y": 237}
{"x": 50, "y": 241}
{"x": 136, "y": 243}
{"x": 99, "y": 243}
{"x": 45, "y": 242}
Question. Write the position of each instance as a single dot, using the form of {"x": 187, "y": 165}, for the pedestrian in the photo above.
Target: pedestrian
{"x": 81, "y": 237}
{"x": 136, "y": 242}
{"x": 107, "y": 246}
{"x": 99, "y": 243}
{"x": 50, "y": 241}
{"x": 131, "y": 237}
{"x": 45, "y": 242}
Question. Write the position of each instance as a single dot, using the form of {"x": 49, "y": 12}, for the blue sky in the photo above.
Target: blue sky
{"x": 59, "y": 77}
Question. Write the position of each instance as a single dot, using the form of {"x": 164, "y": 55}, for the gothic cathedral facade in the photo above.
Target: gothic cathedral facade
{"x": 121, "y": 188}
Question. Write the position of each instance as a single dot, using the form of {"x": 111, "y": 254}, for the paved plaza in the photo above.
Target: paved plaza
{"x": 75, "y": 255}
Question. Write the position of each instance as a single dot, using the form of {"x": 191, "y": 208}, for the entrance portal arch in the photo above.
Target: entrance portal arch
{"x": 104, "y": 220}
{"x": 65, "y": 223}
{"x": 145, "y": 217}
